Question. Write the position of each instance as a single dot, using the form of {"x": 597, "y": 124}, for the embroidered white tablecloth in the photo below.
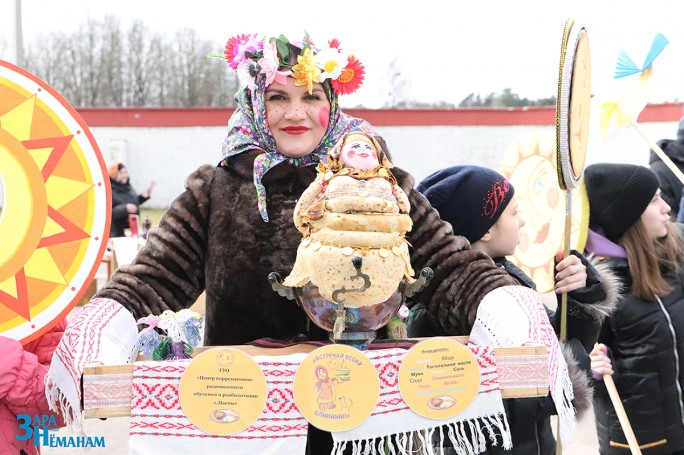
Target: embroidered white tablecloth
{"x": 158, "y": 424}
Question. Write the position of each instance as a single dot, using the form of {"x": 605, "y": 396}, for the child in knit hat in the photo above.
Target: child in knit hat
{"x": 480, "y": 204}
{"x": 631, "y": 230}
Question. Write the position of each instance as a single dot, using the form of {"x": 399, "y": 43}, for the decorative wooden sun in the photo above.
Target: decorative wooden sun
{"x": 530, "y": 165}
{"x": 56, "y": 212}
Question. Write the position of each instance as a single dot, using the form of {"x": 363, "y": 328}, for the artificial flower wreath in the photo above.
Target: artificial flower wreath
{"x": 252, "y": 56}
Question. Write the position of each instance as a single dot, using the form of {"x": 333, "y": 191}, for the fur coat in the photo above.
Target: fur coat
{"x": 213, "y": 239}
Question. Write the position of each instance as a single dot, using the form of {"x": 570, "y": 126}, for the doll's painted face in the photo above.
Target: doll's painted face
{"x": 359, "y": 154}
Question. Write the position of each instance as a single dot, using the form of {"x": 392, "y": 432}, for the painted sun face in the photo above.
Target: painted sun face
{"x": 297, "y": 120}
{"x": 359, "y": 154}
{"x": 529, "y": 164}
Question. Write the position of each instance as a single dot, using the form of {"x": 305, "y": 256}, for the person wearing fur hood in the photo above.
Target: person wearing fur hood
{"x": 481, "y": 206}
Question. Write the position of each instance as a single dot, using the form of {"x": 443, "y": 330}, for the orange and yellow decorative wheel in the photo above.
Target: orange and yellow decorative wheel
{"x": 56, "y": 209}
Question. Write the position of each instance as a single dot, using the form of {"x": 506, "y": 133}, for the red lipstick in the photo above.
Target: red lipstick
{"x": 295, "y": 129}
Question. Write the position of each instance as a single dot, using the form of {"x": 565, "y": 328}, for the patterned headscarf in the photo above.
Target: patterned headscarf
{"x": 248, "y": 130}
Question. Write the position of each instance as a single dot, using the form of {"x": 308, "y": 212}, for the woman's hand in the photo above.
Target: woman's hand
{"x": 131, "y": 208}
{"x": 148, "y": 192}
{"x": 571, "y": 273}
{"x": 600, "y": 362}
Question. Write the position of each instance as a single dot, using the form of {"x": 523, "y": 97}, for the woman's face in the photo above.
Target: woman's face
{"x": 656, "y": 217}
{"x": 122, "y": 175}
{"x": 296, "y": 119}
{"x": 359, "y": 154}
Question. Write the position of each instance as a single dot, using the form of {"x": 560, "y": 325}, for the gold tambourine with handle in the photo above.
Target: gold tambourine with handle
{"x": 572, "y": 125}
{"x": 572, "y": 131}
{"x": 573, "y": 105}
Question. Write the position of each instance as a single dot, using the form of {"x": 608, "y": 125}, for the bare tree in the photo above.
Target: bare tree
{"x": 139, "y": 79}
{"x": 101, "y": 65}
{"x": 399, "y": 86}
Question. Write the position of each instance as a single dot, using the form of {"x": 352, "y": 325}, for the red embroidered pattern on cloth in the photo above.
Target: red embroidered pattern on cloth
{"x": 523, "y": 371}
{"x": 156, "y": 410}
{"x": 97, "y": 316}
{"x": 155, "y": 388}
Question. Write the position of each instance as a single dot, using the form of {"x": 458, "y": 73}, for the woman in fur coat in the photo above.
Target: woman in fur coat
{"x": 233, "y": 224}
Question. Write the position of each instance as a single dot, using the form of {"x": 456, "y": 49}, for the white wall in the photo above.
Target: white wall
{"x": 168, "y": 155}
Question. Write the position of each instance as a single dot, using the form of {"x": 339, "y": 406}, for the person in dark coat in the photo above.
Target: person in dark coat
{"x": 642, "y": 343}
{"x": 670, "y": 186}
{"x": 481, "y": 205}
{"x": 125, "y": 200}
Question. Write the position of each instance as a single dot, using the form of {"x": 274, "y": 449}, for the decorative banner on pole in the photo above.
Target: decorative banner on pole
{"x": 55, "y": 219}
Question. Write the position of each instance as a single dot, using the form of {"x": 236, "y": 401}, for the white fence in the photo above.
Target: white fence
{"x": 168, "y": 155}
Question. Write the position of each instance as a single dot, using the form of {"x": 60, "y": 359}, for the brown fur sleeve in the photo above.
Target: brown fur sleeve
{"x": 462, "y": 276}
{"x": 168, "y": 273}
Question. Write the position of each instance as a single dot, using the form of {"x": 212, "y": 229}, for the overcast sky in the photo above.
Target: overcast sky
{"x": 444, "y": 52}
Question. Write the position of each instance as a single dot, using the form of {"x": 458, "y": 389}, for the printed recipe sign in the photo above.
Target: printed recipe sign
{"x": 223, "y": 391}
{"x": 439, "y": 378}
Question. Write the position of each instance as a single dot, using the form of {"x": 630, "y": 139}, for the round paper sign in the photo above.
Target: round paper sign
{"x": 336, "y": 387}
{"x": 223, "y": 391}
{"x": 439, "y": 378}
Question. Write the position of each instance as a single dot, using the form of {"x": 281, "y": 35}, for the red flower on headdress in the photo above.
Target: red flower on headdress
{"x": 351, "y": 78}
{"x": 334, "y": 43}
{"x": 235, "y": 49}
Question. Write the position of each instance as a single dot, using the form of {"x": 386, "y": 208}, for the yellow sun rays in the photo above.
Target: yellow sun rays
{"x": 45, "y": 226}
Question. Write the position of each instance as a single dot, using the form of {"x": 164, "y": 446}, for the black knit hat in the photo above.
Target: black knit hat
{"x": 618, "y": 195}
{"x": 471, "y": 198}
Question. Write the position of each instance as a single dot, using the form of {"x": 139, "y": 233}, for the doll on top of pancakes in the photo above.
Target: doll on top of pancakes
{"x": 353, "y": 208}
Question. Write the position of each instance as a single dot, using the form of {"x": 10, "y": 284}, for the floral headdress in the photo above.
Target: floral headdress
{"x": 254, "y": 57}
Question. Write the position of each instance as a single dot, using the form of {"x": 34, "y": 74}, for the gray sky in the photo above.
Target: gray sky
{"x": 444, "y": 54}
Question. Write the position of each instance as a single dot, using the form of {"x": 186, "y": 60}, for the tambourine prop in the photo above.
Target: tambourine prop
{"x": 573, "y": 106}
{"x": 54, "y": 222}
